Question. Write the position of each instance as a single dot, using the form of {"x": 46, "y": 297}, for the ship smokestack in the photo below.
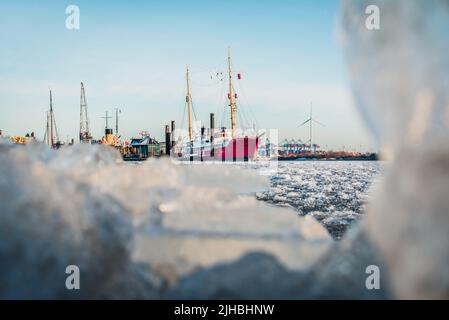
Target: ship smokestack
{"x": 167, "y": 140}
{"x": 212, "y": 129}
{"x": 203, "y": 130}
{"x": 172, "y": 133}
{"x": 203, "y": 134}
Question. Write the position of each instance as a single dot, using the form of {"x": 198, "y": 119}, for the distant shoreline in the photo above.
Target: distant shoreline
{"x": 299, "y": 160}
{"x": 365, "y": 157}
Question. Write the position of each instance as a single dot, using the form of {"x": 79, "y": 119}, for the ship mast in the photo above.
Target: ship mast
{"x": 52, "y": 139}
{"x": 117, "y": 110}
{"x": 310, "y": 128}
{"x": 231, "y": 95}
{"x": 106, "y": 120}
{"x": 47, "y": 130}
{"x": 188, "y": 99}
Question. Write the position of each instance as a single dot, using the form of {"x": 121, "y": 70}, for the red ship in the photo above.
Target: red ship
{"x": 225, "y": 145}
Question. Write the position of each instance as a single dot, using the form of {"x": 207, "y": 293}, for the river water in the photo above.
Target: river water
{"x": 333, "y": 192}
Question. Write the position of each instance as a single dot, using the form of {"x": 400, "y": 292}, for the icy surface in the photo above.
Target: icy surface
{"x": 134, "y": 230}
{"x": 400, "y": 81}
{"x": 333, "y": 192}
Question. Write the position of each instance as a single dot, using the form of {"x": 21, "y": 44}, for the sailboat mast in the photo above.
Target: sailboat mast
{"x": 51, "y": 122}
{"x": 188, "y": 99}
{"x": 231, "y": 95}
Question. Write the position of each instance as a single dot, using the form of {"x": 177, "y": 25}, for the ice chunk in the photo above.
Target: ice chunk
{"x": 133, "y": 229}
{"x": 399, "y": 75}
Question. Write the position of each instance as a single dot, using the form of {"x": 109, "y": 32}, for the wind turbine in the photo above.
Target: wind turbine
{"x": 311, "y": 120}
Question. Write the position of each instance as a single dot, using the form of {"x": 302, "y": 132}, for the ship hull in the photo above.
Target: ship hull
{"x": 237, "y": 149}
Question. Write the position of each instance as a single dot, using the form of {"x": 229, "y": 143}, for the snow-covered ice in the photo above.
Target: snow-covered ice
{"x": 333, "y": 192}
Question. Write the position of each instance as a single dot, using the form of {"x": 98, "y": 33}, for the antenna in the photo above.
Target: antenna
{"x": 311, "y": 120}
{"x": 85, "y": 136}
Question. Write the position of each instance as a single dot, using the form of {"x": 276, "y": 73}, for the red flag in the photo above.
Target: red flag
{"x": 239, "y": 76}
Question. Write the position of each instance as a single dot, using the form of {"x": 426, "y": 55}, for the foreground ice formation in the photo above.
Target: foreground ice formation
{"x": 49, "y": 221}
{"x": 154, "y": 230}
{"x": 399, "y": 75}
{"x": 410, "y": 223}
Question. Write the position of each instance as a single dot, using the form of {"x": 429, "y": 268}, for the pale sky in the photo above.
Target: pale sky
{"x": 133, "y": 54}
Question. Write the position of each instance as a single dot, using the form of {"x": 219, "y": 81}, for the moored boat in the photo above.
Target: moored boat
{"x": 225, "y": 145}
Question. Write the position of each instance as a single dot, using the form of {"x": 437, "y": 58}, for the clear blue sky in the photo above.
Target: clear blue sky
{"x": 132, "y": 55}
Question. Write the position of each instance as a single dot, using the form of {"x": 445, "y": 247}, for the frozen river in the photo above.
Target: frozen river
{"x": 334, "y": 192}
